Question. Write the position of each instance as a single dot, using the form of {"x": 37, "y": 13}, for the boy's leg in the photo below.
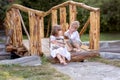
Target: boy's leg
{"x": 69, "y": 46}
{"x": 76, "y": 46}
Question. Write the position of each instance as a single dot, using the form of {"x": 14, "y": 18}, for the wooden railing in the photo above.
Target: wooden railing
{"x": 14, "y": 22}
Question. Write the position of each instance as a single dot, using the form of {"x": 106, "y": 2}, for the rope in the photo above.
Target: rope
{"x": 24, "y": 26}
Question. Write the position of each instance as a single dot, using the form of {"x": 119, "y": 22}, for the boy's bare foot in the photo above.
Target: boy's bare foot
{"x": 77, "y": 50}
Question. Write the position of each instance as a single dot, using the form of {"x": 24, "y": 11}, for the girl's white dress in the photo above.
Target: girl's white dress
{"x": 56, "y": 49}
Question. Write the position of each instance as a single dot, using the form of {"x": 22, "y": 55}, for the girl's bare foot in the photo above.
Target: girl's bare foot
{"x": 61, "y": 61}
{"x": 64, "y": 63}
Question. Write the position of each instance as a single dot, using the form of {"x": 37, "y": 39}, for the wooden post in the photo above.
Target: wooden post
{"x": 94, "y": 29}
{"x": 18, "y": 28}
{"x": 31, "y": 25}
{"x": 41, "y": 25}
{"x": 40, "y": 34}
{"x": 36, "y": 24}
{"x": 54, "y": 17}
{"x": 15, "y": 25}
{"x": 72, "y": 13}
{"x": 12, "y": 25}
{"x": 63, "y": 18}
{"x": 7, "y": 22}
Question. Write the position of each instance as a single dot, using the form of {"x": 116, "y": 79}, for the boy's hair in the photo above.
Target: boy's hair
{"x": 75, "y": 23}
{"x": 55, "y": 30}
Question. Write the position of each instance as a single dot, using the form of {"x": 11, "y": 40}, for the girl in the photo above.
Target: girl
{"x": 57, "y": 45}
{"x": 72, "y": 34}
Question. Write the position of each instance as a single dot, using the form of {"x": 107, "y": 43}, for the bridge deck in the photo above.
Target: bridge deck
{"x": 45, "y": 45}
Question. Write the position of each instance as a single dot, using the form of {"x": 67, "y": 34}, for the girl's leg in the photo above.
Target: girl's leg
{"x": 60, "y": 58}
{"x": 64, "y": 60}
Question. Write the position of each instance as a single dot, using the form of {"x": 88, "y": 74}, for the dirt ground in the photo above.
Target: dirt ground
{"x": 89, "y": 71}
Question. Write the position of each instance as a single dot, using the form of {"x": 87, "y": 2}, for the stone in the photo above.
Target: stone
{"x": 24, "y": 61}
{"x": 110, "y": 55}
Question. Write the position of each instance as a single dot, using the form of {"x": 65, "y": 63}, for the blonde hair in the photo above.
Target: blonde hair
{"x": 75, "y": 23}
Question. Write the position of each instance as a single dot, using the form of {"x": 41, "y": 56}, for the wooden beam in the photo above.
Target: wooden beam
{"x": 84, "y": 6}
{"x": 72, "y": 3}
{"x": 56, "y": 7}
{"x": 25, "y": 9}
{"x": 85, "y": 26}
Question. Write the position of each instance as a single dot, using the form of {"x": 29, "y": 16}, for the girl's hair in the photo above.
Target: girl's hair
{"x": 55, "y": 30}
{"x": 75, "y": 23}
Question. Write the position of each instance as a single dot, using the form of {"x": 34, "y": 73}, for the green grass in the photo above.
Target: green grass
{"x": 103, "y": 36}
{"x": 112, "y": 62}
{"x": 43, "y": 72}
{"x": 1, "y": 40}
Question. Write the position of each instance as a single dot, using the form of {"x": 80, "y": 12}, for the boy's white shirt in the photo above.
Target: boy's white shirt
{"x": 73, "y": 36}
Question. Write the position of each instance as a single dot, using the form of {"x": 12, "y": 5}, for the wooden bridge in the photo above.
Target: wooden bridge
{"x": 14, "y": 24}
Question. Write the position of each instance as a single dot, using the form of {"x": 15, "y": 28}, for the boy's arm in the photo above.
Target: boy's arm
{"x": 67, "y": 35}
{"x": 78, "y": 37}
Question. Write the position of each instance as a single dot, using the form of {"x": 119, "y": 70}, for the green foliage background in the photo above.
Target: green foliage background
{"x": 110, "y": 11}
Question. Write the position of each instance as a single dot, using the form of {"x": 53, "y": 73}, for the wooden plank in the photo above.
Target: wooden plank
{"x": 54, "y": 17}
{"x": 72, "y": 13}
{"x": 63, "y": 18}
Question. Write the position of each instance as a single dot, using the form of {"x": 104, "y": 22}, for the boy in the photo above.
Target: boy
{"x": 72, "y": 34}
